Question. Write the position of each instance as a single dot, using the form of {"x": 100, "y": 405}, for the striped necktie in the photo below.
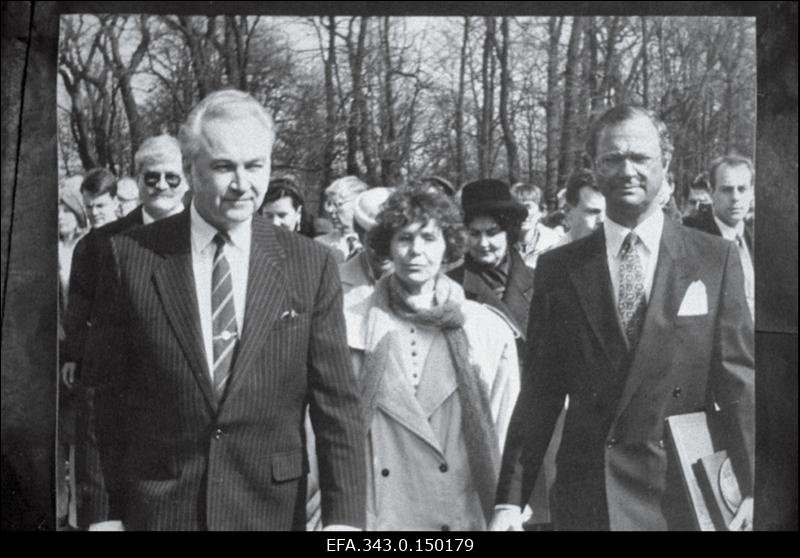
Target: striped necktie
{"x": 632, "y": 302}
{"x": 223, "y": 316}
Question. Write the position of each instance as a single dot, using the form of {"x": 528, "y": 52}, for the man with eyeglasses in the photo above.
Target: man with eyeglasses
{"x": 641, "y": 320}
{"x": 340, "y": 199}
{"x": 159, "y": 174}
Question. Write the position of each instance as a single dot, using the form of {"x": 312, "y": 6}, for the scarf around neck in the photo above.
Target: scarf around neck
{"x": 477, "y": 423}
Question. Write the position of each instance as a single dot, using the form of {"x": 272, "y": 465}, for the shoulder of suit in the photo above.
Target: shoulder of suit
{"x": 293, "y": 242}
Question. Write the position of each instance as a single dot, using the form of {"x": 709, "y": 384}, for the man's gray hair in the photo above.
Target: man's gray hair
{"x": 346, "y": 186}
{"x": 155, "y": 150}
{"x": 226, "y": 103}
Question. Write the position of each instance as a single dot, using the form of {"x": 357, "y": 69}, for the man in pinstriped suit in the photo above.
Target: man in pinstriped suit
{"x": 214, "y": 330}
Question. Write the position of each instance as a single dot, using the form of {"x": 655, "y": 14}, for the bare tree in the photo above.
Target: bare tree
{"x": 505, "y": 88}
{"x": 569, "y": 132}
{"x": 554, "y": 24}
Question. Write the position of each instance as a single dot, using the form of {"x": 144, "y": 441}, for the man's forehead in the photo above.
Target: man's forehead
{"x": 224, "y": 138}
{"x": 88, "y": 198}
{"x": 629, "y": 135}
{"x": 162, "y": 164}
{"x": 734, "y": 174}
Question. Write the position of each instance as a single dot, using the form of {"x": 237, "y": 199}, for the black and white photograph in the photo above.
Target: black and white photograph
{"x": 336, "y": 267}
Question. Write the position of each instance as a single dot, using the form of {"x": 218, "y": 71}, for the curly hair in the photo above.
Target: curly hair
{"x": 416, "y": 205}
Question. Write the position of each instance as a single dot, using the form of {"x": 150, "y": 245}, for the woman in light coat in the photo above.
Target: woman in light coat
{"x": 438, "y": 374}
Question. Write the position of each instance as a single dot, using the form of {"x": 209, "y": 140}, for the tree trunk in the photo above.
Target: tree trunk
{"x": 484, "y": 143}
{"x": 569, "y": 135}
{"x": 459, "y": 116}
{"x": 505, "y": 89}
{"x": 645, "y": 65}
{"x": 551, "y": 110}
{"x": 330, "y": 112}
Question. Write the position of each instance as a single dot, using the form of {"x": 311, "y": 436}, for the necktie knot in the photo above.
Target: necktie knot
{"x": 628, "y": 244}
{"x": 220, "y": 239}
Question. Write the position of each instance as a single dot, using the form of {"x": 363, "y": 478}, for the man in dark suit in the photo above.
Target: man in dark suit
{"x": 731, "y": 180}
{"x": 159, "y": 175}
{"x": 215, "y": 330}
{"x": 641, "y": 320}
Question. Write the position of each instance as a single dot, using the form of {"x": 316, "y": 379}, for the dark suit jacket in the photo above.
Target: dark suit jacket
{"x": 704, "y": 221}
{"x": 83, "y": 282}
{"x": 613, "y": 467}
{"x": 516, "y": 300}
{"x": 173, "y": 457}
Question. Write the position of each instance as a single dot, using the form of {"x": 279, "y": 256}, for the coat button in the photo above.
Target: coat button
{"x": 443, "y": 467}
{"x": 677, "y": 391}
{"x": 385, "y": 472}
{"x": 217, "y": 433}
{"x": 445, "y": 527}
{"x": 661, "y": 444}
{"x": 610, "y": 443}
{"x": 413, "y": 353}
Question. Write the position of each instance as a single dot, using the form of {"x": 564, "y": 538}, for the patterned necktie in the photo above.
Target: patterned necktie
{"x": 747, "y": 269}
{"x": 223, "y": 316}
{"x": 632, "y": 302}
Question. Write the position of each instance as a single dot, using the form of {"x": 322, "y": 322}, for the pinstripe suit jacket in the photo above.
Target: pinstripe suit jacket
{"x": 173, "y": 457}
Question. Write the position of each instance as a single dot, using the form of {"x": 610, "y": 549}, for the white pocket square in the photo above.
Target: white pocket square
{"x": 695, "y": 301}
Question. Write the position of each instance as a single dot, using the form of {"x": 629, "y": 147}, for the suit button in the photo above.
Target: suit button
{"x": 443, "y": 467}
{"x": 88, "y": 323}
{"x": 217, "y": 433}
{"x": 385, "y": 472}
{"x": 677, "y": 391}
{"x": 445, "y": 527}
{"x": 661, "y": 444}
{"x": 610, "y": 443}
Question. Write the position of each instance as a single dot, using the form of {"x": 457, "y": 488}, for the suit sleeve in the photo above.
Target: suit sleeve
{"x": 733, "y": 370}
{"x": 106, "y": 360}
{"x": 82, "y": 283}
{"x": 540, "y": 400}
{"x": 335, "y": 408}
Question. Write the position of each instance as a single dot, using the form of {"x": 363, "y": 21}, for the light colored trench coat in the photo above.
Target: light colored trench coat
{"x": 418, "y": 472}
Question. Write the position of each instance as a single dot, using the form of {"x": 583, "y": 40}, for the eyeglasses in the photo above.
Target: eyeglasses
{"x": 151, "y": 179}
{"x": 609, "y": 163}
{"x": 339, "y": 204}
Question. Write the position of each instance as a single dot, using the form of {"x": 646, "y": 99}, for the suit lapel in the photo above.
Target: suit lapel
{"x": 674, "y": 271}
{"x": 590, "y": 276}
{"x": 174, "y": 281}
{"x": 266, "y": 299}
{"x": 519, "y": 290}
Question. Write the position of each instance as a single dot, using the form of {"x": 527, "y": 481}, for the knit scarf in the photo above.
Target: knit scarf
{"x": 476, "y": 418}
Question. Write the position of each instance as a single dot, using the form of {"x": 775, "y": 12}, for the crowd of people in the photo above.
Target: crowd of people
{"x": 429, "y": 357}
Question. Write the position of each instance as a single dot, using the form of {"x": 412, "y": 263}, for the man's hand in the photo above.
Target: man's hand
{"x": 743, "y": 520}
{"x": 506, "y": 518}
{"x": 113, "y": 525}
{"x": 337, "y": 527}
{"x": 68, "y": 374}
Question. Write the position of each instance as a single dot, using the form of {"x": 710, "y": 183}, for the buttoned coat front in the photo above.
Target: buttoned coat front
{"x": 418, "y": 475}
{"x": 178, "y": 457}
{"x": 613, "y": 467}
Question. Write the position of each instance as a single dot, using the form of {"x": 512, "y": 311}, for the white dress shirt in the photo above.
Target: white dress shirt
{"x": 734, "y": 234}
{"x": 649, "y": 233}
{"x": 237, "y": 252}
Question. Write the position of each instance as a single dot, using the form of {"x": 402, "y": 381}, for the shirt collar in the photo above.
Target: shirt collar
{"x": 202, "y": 233}
{"x": 648, "y": 231}
{"x": 728, "y": 232}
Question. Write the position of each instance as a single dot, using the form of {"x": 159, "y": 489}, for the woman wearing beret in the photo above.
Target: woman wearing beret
{"x": 438, "y": 374}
